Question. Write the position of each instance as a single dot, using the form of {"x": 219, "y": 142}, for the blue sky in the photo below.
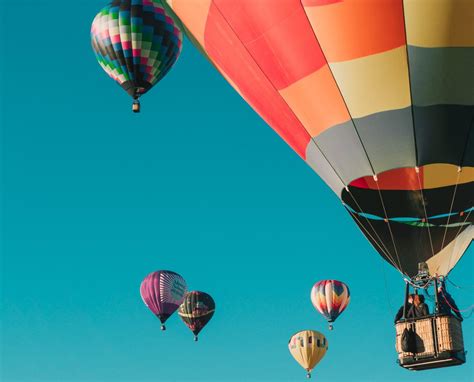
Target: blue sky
{"x": 95, "y": 197}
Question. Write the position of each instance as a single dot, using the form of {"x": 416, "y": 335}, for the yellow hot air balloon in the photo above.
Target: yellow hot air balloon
{"x": 308, "y": 347}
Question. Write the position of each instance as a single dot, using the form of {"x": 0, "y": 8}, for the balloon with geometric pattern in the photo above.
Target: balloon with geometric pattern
{"x": 308, "y": 347}
{"x": 163, "y": 292}
{"x": 376, "y": 96}
{"x": 196, "y": 311}
{"x": 136, "y": 42}
{"x": 330, "y": 298}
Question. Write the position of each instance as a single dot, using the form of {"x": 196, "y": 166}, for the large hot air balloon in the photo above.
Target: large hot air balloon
{"x": 330, "y": 298}
{"x": 376, "y": 96}
{"x": 196, "y": 311}
{"x": 136, "y": 42}
{"x": 308, "y": 347}
{"x": 163, "y": 292}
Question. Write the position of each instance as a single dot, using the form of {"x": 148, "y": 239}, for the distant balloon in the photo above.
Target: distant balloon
{"x": 308, "y": 347}
{"x": 136, "y": 43}
{"x": 330, "y": 298}
{"x": 163, "y": 292}
{"x": 196, "y": 311}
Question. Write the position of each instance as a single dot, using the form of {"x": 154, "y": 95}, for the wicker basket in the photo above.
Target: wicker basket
{"x": 434, "y": 335}
{"x": 449, "y": 332}
{"x": 425, "y": 345}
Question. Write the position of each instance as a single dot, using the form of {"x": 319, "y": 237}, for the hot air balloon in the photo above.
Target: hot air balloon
{"x": 330, "y": 298}
{"x": 136, "y": 42}
{"x": 196, "y": 311}
{"x": 308, "y": 347}
{"x": 163, "y": 292}
{"x": 376, "y": 96}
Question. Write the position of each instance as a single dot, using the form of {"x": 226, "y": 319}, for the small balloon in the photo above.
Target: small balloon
{"x": 163, "y": 292}
{"x": 308, "y": 347}
{"x": 136, "y": 43}
{"x": 196, "y": 311}
{"x": 330, "y": 298}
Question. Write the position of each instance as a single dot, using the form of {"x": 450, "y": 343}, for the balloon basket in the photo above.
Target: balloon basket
{"x": 331, "y": 327}
{"x": 136, "y": 106}
{"x": 308, "y": 375}
{"x": 196, "y": 339}
{"x": 163, "y": 327}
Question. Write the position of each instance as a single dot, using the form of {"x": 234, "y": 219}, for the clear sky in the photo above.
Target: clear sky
{"x": 95, "y": 197}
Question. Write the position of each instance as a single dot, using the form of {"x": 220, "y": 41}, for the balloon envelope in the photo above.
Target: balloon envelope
{"x": 196, "y": 310}
{"x": 136, "y": 43}
{"x": 330, "y": 298}
{"x": 163, "y": 292}
{"x": 308, "y": 347}
{"x": 376, "y": 96}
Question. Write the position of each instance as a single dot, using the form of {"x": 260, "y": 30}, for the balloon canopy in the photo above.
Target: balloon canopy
{"x": 136, "y": 42}
{"x": 163, "y": 292}
{"x": 376, "y": 96}
{"x": 308, "y": 347}
{"x": 330, "y": 298}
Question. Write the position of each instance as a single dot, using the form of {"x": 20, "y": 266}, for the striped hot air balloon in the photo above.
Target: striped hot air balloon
{"x": 375, "y": 95}
{"x": 330, "y": 298}
{"x": 163, "y": 292}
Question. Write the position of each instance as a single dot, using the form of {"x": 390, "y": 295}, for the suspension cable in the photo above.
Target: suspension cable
{"x": 387, "y": 220}
{"x": 454, "y": 309}
{"x": 387, "y": 252}
{"x": 451, "y": 207}
{"x": 456, "y": 236}
{"x": 387, "y": 255}
{"x": 417, "y": 170}
{"x": 459, "y": 287}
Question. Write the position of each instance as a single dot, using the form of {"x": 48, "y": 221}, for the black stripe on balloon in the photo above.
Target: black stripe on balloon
{"x": 409, "y": 203}
{"x": 441, "y": 133}
{"x": 413, "y": 242}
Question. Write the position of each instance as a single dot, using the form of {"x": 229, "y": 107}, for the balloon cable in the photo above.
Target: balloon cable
{"x": 451, "y": 207}
{"x": 459, "y": 287}
{"x": 454, "y": 309}
{"x": 457, "y": 234}
{"x": 384, "y": 251}
{"x": 387, "y": 220}
{"x": 424, "y": 209}
{"x": 380, "y": 242}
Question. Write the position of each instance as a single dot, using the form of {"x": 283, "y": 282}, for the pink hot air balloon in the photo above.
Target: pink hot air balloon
{"x": 163, "y": 292}
{"x": 330, "y": 298}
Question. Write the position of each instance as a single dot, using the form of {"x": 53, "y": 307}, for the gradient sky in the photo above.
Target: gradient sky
{"x": 95, "y": 197}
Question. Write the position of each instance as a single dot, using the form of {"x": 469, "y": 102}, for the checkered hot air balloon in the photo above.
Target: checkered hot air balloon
{"x": 375, "y": 95}
{"x": 136, "y": 42}
{"x": 163, "y": 292}
{"x": 330, "y": 298}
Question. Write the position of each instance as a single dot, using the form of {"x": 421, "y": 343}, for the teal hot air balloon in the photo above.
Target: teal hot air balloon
{"x": 136, "y": 42}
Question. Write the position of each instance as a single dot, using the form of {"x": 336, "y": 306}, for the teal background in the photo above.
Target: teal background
{"x": 95, "y": 197}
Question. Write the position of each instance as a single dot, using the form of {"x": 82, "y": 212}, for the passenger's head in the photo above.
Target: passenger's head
{"x": 422, "y": 298}
{"x": 416, "y": 300}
